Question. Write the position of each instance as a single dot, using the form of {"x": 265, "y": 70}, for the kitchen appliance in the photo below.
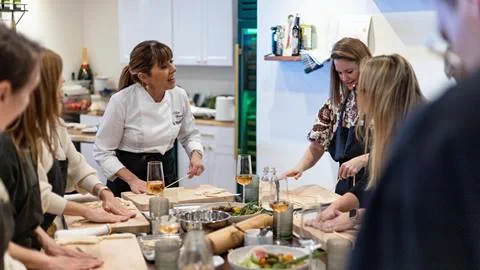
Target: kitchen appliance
{"x": 225, "y": 108}
{"x": 101, "y": 83}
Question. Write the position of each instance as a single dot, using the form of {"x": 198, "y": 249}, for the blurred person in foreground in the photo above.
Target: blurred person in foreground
{"x": 425, "y": 211}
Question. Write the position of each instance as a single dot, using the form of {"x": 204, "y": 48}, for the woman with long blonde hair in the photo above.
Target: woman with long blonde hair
{"x": 20, "y": 219}
{"x": 60, "y": 167}
{"x": 388, "y": 92}
{"x": 334, "y": 128}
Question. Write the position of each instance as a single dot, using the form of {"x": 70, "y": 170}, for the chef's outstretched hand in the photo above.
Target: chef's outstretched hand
{"x": 295, "y": 173}
{"x": 138, "y": 186}
{"x": 196, "y": 167}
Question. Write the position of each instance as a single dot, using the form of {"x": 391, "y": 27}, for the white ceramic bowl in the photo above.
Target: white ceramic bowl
{"x": 239, "y": 255}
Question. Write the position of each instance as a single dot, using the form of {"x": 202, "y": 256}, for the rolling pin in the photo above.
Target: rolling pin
{"x": 229, "y": 237}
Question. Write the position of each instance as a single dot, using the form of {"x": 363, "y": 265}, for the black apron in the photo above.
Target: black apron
{"x": 343, "y": 147}
{"x": 57, "y": 177}
{"x": 6, "y": 228}
{"x": 137, "y": 164}
{"x": 28, "y": 213}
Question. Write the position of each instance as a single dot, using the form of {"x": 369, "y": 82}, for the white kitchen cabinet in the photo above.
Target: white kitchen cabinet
{"x": 188, "y": 32}
{"x": 141, "y": 20}
{"x": 219, "y": 158}
{"x": 203, "y": 32}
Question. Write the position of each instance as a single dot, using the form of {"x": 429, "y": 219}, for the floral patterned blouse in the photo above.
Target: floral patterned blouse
{"x": 328, "y": 119}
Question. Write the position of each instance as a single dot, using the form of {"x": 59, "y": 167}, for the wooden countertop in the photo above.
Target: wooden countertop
{"x": 78, "y": 136}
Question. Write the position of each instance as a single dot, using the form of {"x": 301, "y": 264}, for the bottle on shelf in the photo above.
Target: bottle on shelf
{"x": 85, "y": 72}
{"x": 296, "y": 37}
{"x": 7, "y": 4}
{"x": 16, "y": 4}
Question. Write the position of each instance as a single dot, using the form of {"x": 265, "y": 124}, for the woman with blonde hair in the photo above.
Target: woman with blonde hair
{"x": 388, "y": 92}
{"x": 21, "y": 217}
{"x": 60, "y": 167}
{"x": 334, "y": 129}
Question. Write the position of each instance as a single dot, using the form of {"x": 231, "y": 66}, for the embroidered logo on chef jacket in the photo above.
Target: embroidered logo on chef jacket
{"x": 177, "y": 117}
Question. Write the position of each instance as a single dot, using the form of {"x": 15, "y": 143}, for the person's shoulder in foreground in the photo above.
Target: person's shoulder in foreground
{"x": 425, "y": 212}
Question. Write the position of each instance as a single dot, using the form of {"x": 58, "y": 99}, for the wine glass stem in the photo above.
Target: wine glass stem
{"x": 243, "y": 194}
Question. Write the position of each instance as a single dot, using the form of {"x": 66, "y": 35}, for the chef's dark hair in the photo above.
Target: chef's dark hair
{"x": 142, "y": 59}
{"x": 18, "y": 57}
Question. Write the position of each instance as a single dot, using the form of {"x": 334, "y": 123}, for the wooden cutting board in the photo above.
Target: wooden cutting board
{"x": 199, "y": 194}
{"x": 308, "y": 194}
{"x": 116, "y": 254}
{"x": 138, "y": 224}
{"x": 319, "y": 236}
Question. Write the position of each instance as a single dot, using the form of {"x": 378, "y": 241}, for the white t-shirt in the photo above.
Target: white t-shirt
{"x": 134, "y": 122}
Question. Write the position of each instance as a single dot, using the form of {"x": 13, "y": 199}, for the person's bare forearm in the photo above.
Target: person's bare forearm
{"x": 75, "y": 209}
{"x": 346, "y": 202}
{"x": 32, "y": 259}
{"x": 126, "y": 175}
{"x": 312, "y": 155}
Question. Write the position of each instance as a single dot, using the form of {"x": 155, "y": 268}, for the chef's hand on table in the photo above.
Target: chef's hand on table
{"x": 196, "y": 165}
{"x": 138, "y": 186}
{"x": 295, "y": 173}
{"x": 352, "y": 167}
{"x": 113, "y": 205}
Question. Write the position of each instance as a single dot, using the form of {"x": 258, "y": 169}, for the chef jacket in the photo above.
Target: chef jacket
{"x": 135, "y": 122}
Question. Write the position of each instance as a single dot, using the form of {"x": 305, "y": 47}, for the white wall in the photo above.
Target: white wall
{"x": 57, "y": 25}
{"x": 100, "y": 22}
{"x": 288, "y": 99}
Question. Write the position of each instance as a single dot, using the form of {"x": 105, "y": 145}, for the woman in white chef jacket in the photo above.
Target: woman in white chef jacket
{"x": 143, "y": 120}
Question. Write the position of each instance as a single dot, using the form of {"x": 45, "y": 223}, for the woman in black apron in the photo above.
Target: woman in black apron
{"x": 343, "y": 147}
{"x": 143, "y": 122}
{"x": 57, "y": 177}
{"x": 334, "y": 130}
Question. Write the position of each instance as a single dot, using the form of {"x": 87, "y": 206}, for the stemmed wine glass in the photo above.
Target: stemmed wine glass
{"x": 244, "y": 172}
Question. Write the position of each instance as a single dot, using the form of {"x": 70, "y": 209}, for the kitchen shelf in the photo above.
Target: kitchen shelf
{"x": 282, "y": 58}
{"x": 16, "y": 8}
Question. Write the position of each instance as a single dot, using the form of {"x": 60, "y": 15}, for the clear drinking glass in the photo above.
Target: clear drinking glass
{"x": 196, "y": 253}
{"x": 155, "y": 179}
{"x": 244, "y": 172}
{"x": 278, "y": 196}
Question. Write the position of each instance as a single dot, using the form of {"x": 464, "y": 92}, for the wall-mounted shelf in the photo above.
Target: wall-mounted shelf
{"x": 282, "y": 58}
{"x": 15, "y": 8}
